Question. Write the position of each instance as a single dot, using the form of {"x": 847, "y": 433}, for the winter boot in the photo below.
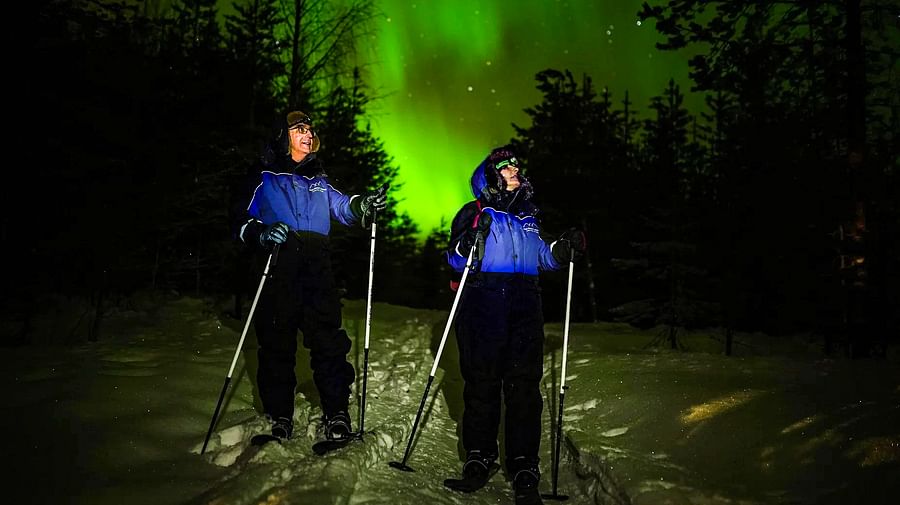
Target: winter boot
{"x": 525, "y": 482}
{"x": 282, "y": 428}
{"x": 477, "y": 471}
{"x": 337, "y": 426}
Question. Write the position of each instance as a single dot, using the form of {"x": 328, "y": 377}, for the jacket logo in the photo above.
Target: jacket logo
{"x": 530, "y": 227}
{"x": 317, "y": 187}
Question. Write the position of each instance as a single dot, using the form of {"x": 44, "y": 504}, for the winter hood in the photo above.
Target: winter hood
{"x": 488, "y": 185}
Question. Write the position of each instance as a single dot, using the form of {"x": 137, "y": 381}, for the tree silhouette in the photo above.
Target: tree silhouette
{"x": 320, "y": 36}
{"x": 151, "y": 138}
{"x": 255, "y": 50}
{"x": 576, "y": 156}
{"x": 793, "y": 151}
{"x": 666, "y": 256}
{"x": 357, "y": 163}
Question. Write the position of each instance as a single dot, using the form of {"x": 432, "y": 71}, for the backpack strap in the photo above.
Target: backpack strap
{"x": 478, "y": 215}
{"x": 454, "y": 283}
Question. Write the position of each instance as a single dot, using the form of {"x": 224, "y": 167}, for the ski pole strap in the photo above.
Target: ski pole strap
{"x": 274, "y": 256}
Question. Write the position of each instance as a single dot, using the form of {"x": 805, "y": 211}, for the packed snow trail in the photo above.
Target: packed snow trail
{"x": 401, "y": 355}
{"x": 122, "y": 420}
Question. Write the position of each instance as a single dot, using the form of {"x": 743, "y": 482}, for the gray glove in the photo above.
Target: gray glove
{"x": 372, "y": 202}
{"x": 275, "y": 233}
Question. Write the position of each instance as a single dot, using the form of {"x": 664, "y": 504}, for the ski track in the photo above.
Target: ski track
{"x": 359, "y": 473}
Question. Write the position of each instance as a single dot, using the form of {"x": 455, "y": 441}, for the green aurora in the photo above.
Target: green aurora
{"x": 453, "y": 77}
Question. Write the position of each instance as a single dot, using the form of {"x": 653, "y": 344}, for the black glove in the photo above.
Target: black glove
{"x": 275, "y": 233}
{"x": 481, "y": 230}
{"x": 572, "y": 241}
{"x": 371, "y": 202}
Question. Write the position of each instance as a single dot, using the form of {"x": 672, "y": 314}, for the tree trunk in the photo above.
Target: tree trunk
{"x": 856, "y": 160}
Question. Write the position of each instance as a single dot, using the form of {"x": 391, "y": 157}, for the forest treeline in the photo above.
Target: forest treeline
{"x": 774, "y": 209}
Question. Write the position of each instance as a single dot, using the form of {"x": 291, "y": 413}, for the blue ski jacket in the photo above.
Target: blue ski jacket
{"x": 514, "y": 244}
{"x": 306, "y": 203}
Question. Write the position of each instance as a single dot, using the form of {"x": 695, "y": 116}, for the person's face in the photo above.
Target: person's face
{"x": 301, "y": 140}
{"x": 510, "y": 174}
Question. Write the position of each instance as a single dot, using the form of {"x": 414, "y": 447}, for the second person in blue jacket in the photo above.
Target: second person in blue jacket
{"x": 500, "y": 325}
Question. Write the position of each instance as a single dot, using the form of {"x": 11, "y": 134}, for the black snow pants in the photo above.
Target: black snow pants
{"x": 500, "y": 333}
{"x": 301, "y": 295}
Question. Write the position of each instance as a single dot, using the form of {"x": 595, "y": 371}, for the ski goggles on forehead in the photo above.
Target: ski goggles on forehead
{"x": 507, "y": 163}
{"x": 296, "y": 117}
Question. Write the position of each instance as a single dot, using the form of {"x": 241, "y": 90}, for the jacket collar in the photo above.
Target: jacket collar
{"x": 310, "y": 166}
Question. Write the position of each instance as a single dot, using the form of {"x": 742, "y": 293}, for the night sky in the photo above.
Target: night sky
{"x": 454, "y": 75}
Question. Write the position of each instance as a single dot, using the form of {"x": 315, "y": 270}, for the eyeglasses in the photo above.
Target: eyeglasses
{"x": 506, "y": 163}
{"x": 303, "y": 129}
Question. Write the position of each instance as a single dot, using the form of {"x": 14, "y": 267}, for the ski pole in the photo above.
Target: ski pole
{"x": 362, "y": 402}
{"x": 273, "y": 258}
{"x": 401, "y": 465}
{"x": 562, "y": 387}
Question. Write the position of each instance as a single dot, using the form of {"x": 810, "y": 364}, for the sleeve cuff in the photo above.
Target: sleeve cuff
{"x": 356, "y": 206}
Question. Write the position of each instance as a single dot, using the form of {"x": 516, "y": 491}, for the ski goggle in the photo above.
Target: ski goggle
{"x": 507, "y": 163}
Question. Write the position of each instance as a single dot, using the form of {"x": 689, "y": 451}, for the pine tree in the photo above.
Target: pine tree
{"x": 255, "y": 50}
{"x": 357, "y": 163}
{"x": 666, "y": 259}
{"x": 575, "y": 155}
{"x": 796, "y": 160}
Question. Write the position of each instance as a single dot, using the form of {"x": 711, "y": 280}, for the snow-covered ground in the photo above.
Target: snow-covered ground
{"x": 123, "y": 420}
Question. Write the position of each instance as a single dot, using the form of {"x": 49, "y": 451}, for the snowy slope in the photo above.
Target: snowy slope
{"x": 122, "y": 421}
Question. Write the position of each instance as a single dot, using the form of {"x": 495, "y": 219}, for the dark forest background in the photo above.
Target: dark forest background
{"x": 775, "y": 209}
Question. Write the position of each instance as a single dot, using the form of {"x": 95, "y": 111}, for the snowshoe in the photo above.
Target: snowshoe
{"x": 477, "y": 471}
{"x": 323, "y": 447}
{"x": 263, "y": 439}
{"x": 257, "y": 442}
{"x": 337, "y": 433}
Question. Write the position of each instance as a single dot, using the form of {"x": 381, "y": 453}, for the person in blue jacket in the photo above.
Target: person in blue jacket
{"x": 293, "y": 206}
{"x": 500, "y": 325}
